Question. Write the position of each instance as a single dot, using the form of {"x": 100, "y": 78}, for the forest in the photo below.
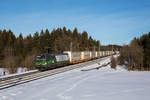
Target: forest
{"x": 21, "y": 51}
{"x": 137, "y": 53}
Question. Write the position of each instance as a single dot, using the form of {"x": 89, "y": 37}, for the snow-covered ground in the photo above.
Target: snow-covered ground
{"x": 4, "y": 70}
{"x": 102, "y": 84}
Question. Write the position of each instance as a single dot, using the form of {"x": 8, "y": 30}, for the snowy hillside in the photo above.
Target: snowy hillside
{"x": 102, "y": 84}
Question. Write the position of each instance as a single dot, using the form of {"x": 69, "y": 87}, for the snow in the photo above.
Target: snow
{"x": 20, "y": 70}
{"x": 18, "y": 73}
{"x": 102, "y": 84}
{"x": 3, "y": 72}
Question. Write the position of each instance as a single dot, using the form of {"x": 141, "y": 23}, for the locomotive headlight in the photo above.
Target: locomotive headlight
{"x": 44, "y": 63}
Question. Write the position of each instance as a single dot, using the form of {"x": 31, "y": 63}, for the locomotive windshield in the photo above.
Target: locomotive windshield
{"x": 40, "y": 57}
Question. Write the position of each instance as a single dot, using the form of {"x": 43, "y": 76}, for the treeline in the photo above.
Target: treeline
{"x": 110, "y": 47}
{"x": 137, "y": 53}
{"x": 20, "y": 51}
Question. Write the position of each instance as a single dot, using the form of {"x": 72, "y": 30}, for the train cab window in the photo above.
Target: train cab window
{"x": 40, "y": 57}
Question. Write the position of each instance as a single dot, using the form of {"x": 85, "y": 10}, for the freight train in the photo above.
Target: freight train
{"x": 50, "y": 61}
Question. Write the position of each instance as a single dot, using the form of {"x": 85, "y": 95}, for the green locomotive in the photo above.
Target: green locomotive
{"x": 51, "y": 61}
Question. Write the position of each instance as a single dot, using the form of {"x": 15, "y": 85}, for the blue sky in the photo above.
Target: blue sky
{"x": 110, "y": 21}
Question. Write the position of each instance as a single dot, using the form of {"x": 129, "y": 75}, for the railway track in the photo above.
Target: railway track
{"x": 27, "y": 77}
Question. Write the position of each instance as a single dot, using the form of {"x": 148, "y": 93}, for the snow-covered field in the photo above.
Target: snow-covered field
{"x": 102, "y": 84}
